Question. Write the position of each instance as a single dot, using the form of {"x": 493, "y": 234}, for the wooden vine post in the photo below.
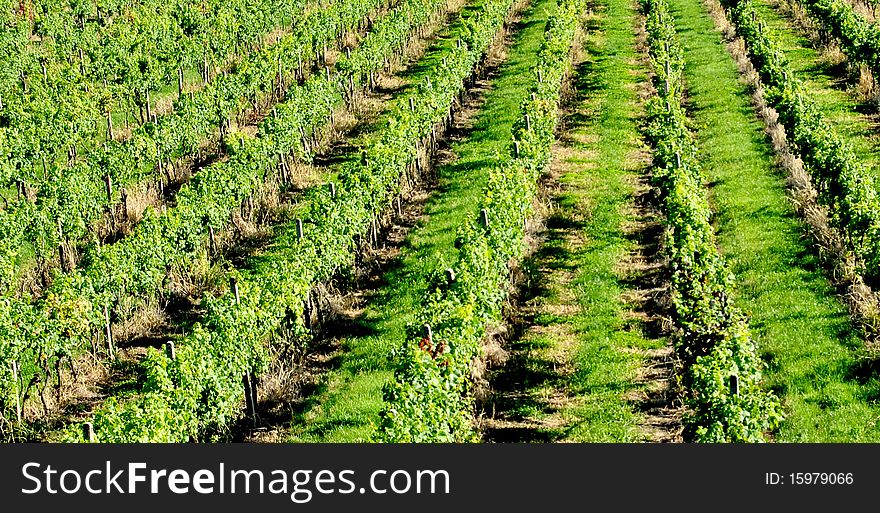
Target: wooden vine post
{"x": 108, "y": 332}
{"x": 109, "y": 126}
{"x": 249, "y": 381}
{"x": 233, "y": 284}
{"x": 88, "y": 432}
{"x": 212, "y": 241}
{"x": 17, "y": 396}
{"x": 62, "y": 259}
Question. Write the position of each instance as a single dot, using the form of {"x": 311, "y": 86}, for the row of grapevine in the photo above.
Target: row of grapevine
{"x": 721, "y": 367}
{"x": 58, "y": 91}
{"x": 73, "y": 198}
{"x": 845, "y": 185}
{"x": 201, "y": 387}
{"x": 79, "y": 306}
{"x": 429, "y": 399}
{"x": 858, "y": 38}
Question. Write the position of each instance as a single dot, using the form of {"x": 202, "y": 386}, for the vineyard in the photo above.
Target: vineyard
{"x": 439, "y": 221}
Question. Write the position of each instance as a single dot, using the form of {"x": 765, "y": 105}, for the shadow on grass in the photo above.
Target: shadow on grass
{"x": 513, "y": 397}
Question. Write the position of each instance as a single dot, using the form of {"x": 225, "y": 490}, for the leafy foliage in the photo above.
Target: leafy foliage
{"x": 200, "y": 391}
{"x": 722, "y": 368}
{"x": 70, "y": 193}
{"x": 70, "y": 316}
{"x": 430, "y": 398}
{"x": 846, "y": 187}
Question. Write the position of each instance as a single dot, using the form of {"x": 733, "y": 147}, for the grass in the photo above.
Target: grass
{"x": 581, "y": 317}
{"x": 822, "y": 77}
{"x": 608, "y": 354}
{"x": 802, "y": 329}
{"x": 346, "y": 406}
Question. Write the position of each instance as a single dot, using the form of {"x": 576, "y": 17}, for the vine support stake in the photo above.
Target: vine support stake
{"x": 516, "y": 149}
{"x": 250, "y": 396}
{"x": 62, "y": 259}
{"x": 109, "y": 126}
{"x": 450, "y": 275}
{"x": 412, "y": 104}
{"x": 678, "y": 159}
{"x": 299, "y": 229}
{"x": 179, "y": 81}
{"x": 528, "y": 122}
{"x": 332, "y": 189}
{"x": 213, "y": 240}
{"x": 17, "y": 396}
{"x": 280, "y": 77}
{"x": 108, "y": 187}
{"x": 169, "y": 350}
{"x": 734, "y": 384}
{"x": 484, "y": 218}
{"x": 108, "y": 332}
{"x": 233, "y": 284}
{"x": 282, "y": 166}
{"x": 88, "y": 432}
{"x": 429, "y": 334}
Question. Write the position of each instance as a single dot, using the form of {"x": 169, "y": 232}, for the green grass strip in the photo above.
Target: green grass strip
{"x": 346, "y": 407}
{"x": 803, "y": 331}
{"x": 839, "y": 107}
{"x": 594, "y": 208}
